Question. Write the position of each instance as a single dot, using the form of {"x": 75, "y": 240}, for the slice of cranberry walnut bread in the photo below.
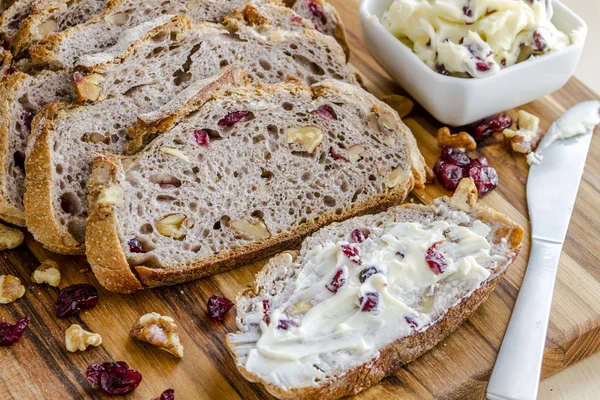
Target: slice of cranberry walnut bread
{"x": 367, "y": 295}
{"x": 247, "y": 174}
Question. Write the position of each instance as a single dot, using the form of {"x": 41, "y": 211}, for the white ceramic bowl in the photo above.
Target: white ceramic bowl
{"x": 459, "y": 101}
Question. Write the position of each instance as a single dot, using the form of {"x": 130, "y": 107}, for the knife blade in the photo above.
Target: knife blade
{"x": 551, "y": 192}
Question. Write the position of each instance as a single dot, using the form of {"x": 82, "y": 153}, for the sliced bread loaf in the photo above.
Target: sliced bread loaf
{"x": 246, "y": 173}
{"x": 325, "y": 18}
{"x": 148, "y": 68}
{"x": 21, "y": 97}
{"x": 12, "y": 16}
{"x": 62, "y": 50}
{"x": 52, "y": 16}
{"x": 363, "y": 297}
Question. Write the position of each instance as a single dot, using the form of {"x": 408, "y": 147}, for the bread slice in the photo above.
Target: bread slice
{"x": 146, "y": 69}
{"x": 319, "y": 325}
{"x": 12, "y": 16}
{"x": 242, "y": 175}
{"x": 52, "y": 16}
{"x": 21, "y": 97}
{"x": 5, "y": 63}
{"x": 325, "y": 18}
{"x": 63, "y": 49}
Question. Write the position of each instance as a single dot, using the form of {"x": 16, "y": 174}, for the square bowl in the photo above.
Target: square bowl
{"x": 461, "y": 101}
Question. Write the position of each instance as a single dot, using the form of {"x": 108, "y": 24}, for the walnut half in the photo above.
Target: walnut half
{"x": 159, "y": 331}
{"x": 527, "y": 136}
{"x": 11, "y": 289}
{"x": 78, "y": 339}
{"x": 48, "y": 272}
{"x": 460, "y": 140}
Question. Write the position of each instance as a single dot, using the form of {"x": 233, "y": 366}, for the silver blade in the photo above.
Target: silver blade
{"x": 552, "y": 187}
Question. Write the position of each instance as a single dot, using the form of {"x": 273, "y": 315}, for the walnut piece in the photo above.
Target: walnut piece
{"x": 10, "y": 237}
{"x": 256, "y": 229}
{"x": 48, "y": 272}
{"x": 396, "y": 177}
{"x": 159, "y": 331}
{"x": 429, "y": 175}
{"x": 172, "y": 151}
{"x": 111, "y": 196}
{"x": 117, "y": 19}
{"x": 460, "y": 140}
{"x": 47, "y": 27}
{"x": 78, "y": 339}
{"x": 527, "y": 136}
{"x": 403, "y": 105}
{"x": 310, "y": 137}
{"x": 172, "y": 226}
{"x": 88, "y": 86}
{"x": 355, "y": 152}
{"x": 11, "y": 289}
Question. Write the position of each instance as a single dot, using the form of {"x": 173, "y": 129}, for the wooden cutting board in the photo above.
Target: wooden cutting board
{"x": 39, "y": 367}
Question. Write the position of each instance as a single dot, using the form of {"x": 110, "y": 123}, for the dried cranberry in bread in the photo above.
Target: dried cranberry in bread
{"x": 51, "y": 16}
{"x": 347, "y": 310}
{"x": 243, "y": 174}
{"x": 150, "y": 65}
{"x": 21, "y": 97}
{"x": 325, "y": 18}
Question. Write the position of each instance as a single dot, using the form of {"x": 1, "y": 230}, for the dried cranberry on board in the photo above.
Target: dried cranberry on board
{"x": 448, "y": 174}
{"x": 75, "y": 298}
{"x": 454, "y": 165}
{"x": 436, "y": 259}
{"x": 369, "y": 302}
{"x": 202, "y": 138}
{"x": 168, "y": 394}
{"x": 232, "y": 118}
{"x": 114, "y": 378}
{"x": 489, "y": 125}
{"x": 218, "y": 307}
{"x": 338, "y": 280}
{"x": 455, "y": 156}
{"x": 485, "y": 178}
{"x": 10, "y": 334}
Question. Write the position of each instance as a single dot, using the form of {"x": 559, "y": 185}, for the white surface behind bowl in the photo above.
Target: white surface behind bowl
{"x": 459, "y": 101}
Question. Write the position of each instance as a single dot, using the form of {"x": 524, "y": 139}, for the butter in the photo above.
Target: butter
{"x": 329, "y": 327}
{"x": 476, "y": 38}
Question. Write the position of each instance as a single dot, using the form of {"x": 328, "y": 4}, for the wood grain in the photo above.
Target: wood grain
{"x": 39, "y": 367}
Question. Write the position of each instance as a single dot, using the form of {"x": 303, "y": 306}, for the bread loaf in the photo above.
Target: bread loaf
{"x": 241, "y": 175}
{"x": 146, "y": 69}
{"x": 363, "y": 297}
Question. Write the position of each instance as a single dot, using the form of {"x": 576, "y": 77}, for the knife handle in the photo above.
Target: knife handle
{"x": 516, "y": 374}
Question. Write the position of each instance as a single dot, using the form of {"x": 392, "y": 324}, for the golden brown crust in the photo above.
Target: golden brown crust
{"x": 22, "y": 38}
{"x": 103, "y": 248}
{"x": 407, "y": 349}
{"x": 8, "y": 87}
{"x": 39, "y": 211}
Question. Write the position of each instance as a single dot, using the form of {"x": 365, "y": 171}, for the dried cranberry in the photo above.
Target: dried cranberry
{"x": 448, "y": 174}
{"x": 75, "y": 298}
{"x": 233, "y": 118}
{"x": 495, "y": 123}
{"x": 339, "y": 280}
{"x": 297, "y": 19}
{"x": 359, "y": 235}
{"x": 202, "y": 138}
{"x": 483, "y": 66}
{"x": 467, "y": 11}
{"x": 10, "y": 334}
{"x": 485, "y": 178}
{"x": 540, "y": 41}
{"x": 436, "y": 259}
{"x": 411, "y": 322}
{"x": 367, "y": 273}
{"x": 400, "y": 255}
{"x": 352, "y": 252}
{"x": 218, "y": 307}
{"x": 114, "y": 378}
{"x": 370, "y": 302}
{"x": 27, "y": 118}
{"x": 441, "y": 68}
{"x": 168, "y": 394}
{"x": 455, "y": 156}
{"x": 266, "y": 310}
{"x": 326, "y": 111}
{"x": 315, "y": 9}
{"x": 337, "y": 156}
{"x": 286, "y": 324}
{"x": 479, "y": 162}
{"x": 135, "y": 246}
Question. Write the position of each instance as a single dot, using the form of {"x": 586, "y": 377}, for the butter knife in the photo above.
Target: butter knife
{"x": 551, "y": 191}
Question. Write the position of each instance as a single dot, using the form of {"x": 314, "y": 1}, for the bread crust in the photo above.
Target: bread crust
{"x": 406, "y": 349}
{"x": 8, "y": 87}
{"x": 39, "y": 212}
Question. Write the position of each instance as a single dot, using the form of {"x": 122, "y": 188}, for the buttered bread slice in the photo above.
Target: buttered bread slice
{"x": 242, "y": 175}
{"x": 363, "y": 297}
